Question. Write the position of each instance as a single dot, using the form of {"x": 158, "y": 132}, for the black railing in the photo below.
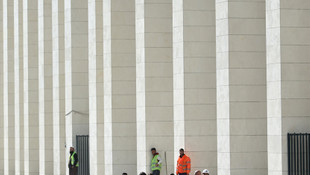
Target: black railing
{"x": 82, "y": 149}
{"x": 298, "y": 148}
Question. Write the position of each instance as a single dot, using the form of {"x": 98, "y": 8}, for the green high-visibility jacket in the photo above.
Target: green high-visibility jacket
{"x": 154, "y": 162}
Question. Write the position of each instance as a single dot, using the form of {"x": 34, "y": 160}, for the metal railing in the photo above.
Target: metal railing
{"x": 82, "y": 149}
{"x": 298, "y": 146}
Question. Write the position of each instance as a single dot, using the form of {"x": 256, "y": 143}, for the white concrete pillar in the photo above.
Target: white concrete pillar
{"x": 45, "y": 87}
{"x": 119, "y": 87}
{"x": 288, "y": 70}
{"x": 76, "y": 68}
{"x": 95, "y": 61}
{"x": 19, "y": 87}
{"x": 241, "y": 87}
{"x": 154, "y": 83}
{"x": 8, "y": 87}
{"x": 1, "y": 93}
{"x": 194, "y": 78}
{"x": 59, "y": 135}
{"x": 31, "y": 87}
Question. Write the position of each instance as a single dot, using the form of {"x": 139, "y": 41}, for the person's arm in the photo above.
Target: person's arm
{"x": 76, "y": 159}
{"x": 188, "y": 165}
{"x": 159, "y": 160}
{"x": 69, "y": 163}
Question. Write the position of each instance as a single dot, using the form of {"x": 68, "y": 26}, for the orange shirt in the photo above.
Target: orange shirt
{"x": 183, "y": 165}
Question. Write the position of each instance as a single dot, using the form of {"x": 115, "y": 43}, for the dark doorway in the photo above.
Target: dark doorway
{"x": 298, "y": 148}
{"x": 82, "y": 149}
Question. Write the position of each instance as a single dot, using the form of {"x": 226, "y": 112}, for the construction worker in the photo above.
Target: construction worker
{"x": 183, "y": 164}
{"x": 205, "y": 172}
{"x": 197, "y": 172}
{"x": 73, "y": 162}
{"x": 156, "y": 162}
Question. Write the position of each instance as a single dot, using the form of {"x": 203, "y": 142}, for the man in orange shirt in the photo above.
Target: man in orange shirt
{"x": 183, "y": 164}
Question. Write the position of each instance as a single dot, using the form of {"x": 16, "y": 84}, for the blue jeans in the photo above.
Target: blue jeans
{"x": 156, "y": 172}
{"x": 182, "y": 174}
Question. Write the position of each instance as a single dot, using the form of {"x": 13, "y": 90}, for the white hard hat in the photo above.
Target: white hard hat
{"x": 205, "y": 171}
{"x": 196, "y": 171}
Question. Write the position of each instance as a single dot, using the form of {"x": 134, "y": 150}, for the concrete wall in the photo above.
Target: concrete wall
{"x": 287, "y": 77}
{"x": 241, "y": 87}
{"x": 194, "y": 68}
{"x": 226, "y": 80}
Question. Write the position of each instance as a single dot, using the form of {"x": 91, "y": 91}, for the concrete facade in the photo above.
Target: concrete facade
{"x": 194, "y": 87}
{"x": 241, "y": 87}
{"x": 287, "y": 31}
{"x": 224, "y": 79}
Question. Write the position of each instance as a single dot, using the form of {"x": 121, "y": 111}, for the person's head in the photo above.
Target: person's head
{"x": 142, "y": 173}
{"x": 181, "y": 151}
{"x": 205, "y": 172}
{"x": 71, "y": 149}
{"x": 124, "y": 173}
{"x": 197, "y": 172}
{"x": 153, "y": 150}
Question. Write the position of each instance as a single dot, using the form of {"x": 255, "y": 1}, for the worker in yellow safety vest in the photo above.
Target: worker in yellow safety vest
{"x": 156, "y": 162}
{"x": 73, "y": 162}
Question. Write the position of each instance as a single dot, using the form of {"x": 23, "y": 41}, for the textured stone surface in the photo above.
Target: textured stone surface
{"x": 8, "y": 87}
{"x": 31, "y": 87}
{"x": 154, "y": 83}
{"x": 95, "y": 63}
{"x": 1, "y": 93}
{"x": 224, "y": 79}
{"x": 76, "y": 71}
{"x": 19, "y": 88}
{"x": 194, "y": 100}
{"x": 287, "y": 77}
{"x": 59, "y": 137}
{"x": 119, "y": 72}
{"x": 241, "y": 85}
{"x": 45, "y": 86}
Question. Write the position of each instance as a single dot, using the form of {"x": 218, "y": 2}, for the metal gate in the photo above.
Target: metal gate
{"x": 298, "y": 146}
{"x": 82, "y": 149}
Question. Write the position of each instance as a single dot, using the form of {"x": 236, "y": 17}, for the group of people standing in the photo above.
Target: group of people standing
{"x": 183, "y": 165}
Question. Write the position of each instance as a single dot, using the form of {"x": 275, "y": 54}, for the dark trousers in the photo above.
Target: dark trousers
{"x": 182, "y": 174}
{"x": 156, "y": 172}
{"x": 73, "y": 171}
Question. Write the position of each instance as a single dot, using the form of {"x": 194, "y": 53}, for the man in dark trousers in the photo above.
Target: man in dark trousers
{"x": 183, "y": 164}
{"x": 156, "y": 162}
{"x": 73, "y": 162}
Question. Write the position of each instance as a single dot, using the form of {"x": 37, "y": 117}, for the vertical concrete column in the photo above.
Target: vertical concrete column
{"x": 45, "y": 86}
{"x": 1, "y": 93}
{"x": 154, "y": 83}
{"x": 288, "y": 70}
{"x": 31, "y": 87}
{"x": 8, "y": 87}
{"x": 19, "y": 87}
{"x": 194, "y": 80}
{"x": 95, "y": 77}
{"x": 241, "y": 87}
{"x": 76, "y": 68}
{"x": 119, "y": 87}
{"x": 59, "y": 135}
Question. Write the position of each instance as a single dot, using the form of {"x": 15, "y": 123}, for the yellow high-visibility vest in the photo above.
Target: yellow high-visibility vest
{"x": 73, "y": 160}
{"x": 154, "y": 162}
